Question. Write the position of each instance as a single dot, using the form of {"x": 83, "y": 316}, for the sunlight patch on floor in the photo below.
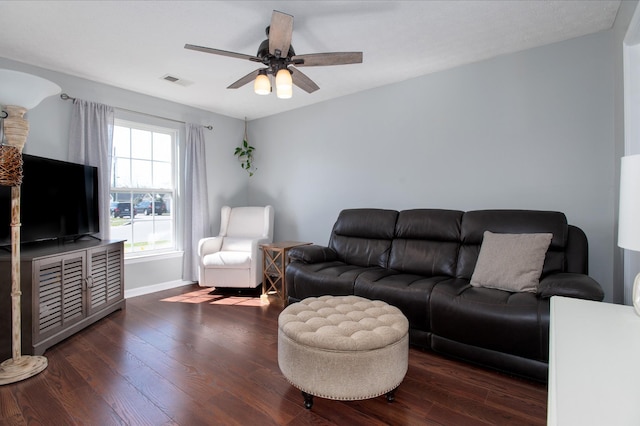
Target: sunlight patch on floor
{"x": 237, "y": 300}
{"x": 204, "y": 296}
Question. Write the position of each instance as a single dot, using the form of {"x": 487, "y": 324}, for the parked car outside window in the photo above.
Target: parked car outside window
{"x": 121, "y": 209}
{"x": 148, "y": 207}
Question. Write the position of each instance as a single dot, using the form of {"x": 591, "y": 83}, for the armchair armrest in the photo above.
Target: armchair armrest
{"x": 257, "y": 242}
{"x": 209, "y": 245}
{"x": 312, "y": 254}
{"x": 570, "y": 285}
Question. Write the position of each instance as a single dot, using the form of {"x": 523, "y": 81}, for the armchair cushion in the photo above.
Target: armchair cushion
{"x": 236, "y": 244}
{"x": 227, "y": 259}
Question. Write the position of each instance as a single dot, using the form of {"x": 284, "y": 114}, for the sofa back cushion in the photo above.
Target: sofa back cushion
{"x": 475, "y": 223}
{"x": 426, "y": 242}
{"x": 362, "y": 237}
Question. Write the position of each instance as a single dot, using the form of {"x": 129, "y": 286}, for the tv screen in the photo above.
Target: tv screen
{"x": 59, "y": 200}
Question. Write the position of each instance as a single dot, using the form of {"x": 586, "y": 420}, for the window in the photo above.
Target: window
{"x": 143, "y": 187}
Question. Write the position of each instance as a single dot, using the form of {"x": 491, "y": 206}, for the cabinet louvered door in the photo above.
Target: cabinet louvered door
{"x": 65, "y": 288}
{"x": 105, "y": 280}
{"x": 61, "y": 293}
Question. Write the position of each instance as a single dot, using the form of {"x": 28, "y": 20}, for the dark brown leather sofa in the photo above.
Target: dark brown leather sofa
{"x": 422, "y": 261}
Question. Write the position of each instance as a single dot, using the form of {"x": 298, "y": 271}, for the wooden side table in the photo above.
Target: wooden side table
{"x": 274, "y": 262}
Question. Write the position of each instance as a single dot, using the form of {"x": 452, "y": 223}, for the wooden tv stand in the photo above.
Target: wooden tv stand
{"x": 65, "y": 288}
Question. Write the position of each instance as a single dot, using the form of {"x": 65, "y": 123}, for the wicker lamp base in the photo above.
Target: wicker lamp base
{"x": 14, "y": 370}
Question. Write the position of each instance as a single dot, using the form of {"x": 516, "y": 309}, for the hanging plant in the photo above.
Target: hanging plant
{"x": 244, "y": 152}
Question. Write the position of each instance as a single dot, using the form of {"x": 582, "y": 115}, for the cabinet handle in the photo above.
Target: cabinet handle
{"x": 89, "y": 281}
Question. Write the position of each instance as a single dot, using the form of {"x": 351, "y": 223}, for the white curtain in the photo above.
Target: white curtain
{"x": 90, "y": 142}
{"x": 196, "y": 203}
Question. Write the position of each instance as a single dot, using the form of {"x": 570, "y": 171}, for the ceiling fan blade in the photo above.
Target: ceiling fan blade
{"x": 280, "y": 34}
{"x": 244, "y": 80}
{"x": 333, "y": 58}
{"x": 221, "y": 52}
{"x": 302, "y": 81}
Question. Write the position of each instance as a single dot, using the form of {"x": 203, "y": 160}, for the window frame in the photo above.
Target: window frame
{"x": 175, "y": 131}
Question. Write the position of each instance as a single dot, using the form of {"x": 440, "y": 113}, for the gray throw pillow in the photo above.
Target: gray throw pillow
{"x": 511, "y": 262}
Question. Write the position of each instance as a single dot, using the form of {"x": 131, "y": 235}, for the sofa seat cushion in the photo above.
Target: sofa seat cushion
{"x": 317, "y": 279}
{"x": 513, "y": 323}
{"x": 408, "y": 292}
{"x": 228, "y": 259}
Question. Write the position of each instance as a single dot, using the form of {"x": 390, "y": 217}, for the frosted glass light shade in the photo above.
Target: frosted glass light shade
{"x": 629, "y": 219}
{"x": 283, "y": 79}
{"x": 25, "y": 90}
{"x": 284, "y": 84}
{"x": 262, "y": 85}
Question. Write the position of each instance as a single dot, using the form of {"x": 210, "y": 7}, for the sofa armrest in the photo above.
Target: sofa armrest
{"x": 312, "y": 254}
{"x": 570, "y": 285}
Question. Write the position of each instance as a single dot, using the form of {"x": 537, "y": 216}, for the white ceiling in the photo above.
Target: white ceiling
{"x": 134, "y": 44}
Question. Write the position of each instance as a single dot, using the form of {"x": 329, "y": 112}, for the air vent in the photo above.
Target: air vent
{"x": 176, "y": 80}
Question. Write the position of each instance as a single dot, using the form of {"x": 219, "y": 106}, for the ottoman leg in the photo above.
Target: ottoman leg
{"x": 308, "y": 400}
{"x": 391, "y": 395}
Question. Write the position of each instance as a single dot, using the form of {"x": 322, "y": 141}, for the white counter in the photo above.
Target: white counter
{"x": 594, "y": 364}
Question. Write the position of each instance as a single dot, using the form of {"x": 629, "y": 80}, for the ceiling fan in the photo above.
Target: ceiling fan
{"x": 277, "y": 54}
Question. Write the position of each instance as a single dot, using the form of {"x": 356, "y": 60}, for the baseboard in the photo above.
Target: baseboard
{"x": 154, "y": 288}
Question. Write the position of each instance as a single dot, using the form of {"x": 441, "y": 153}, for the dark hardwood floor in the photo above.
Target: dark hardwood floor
{"x": 184, "y": 357}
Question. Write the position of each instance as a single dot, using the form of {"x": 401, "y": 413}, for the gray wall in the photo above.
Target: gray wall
{"x": 531, "y": 130}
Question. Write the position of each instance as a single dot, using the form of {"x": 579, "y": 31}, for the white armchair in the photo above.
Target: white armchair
{"x": 234, "y": 257}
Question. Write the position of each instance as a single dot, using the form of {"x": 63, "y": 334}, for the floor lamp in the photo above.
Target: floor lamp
{"x": 629, "y": 220}
{"x": 19, "y": 92}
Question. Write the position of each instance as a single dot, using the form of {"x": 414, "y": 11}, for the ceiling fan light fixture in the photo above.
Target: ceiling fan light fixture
{"x": 262, "y": 85}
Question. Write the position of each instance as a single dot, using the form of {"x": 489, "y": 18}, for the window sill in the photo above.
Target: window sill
{"x": 141, "y": 258}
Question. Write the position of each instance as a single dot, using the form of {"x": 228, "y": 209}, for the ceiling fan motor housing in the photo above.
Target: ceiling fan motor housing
{"x": 263, "y": 52}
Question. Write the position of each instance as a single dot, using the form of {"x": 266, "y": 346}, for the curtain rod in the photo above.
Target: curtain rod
{"x": 66, "y": 97}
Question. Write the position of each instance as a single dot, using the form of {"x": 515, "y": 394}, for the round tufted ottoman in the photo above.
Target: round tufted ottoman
{"x": 343, "y": 347}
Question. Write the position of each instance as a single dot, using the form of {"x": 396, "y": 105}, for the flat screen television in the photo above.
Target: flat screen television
{"x": 59, "y": 200}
